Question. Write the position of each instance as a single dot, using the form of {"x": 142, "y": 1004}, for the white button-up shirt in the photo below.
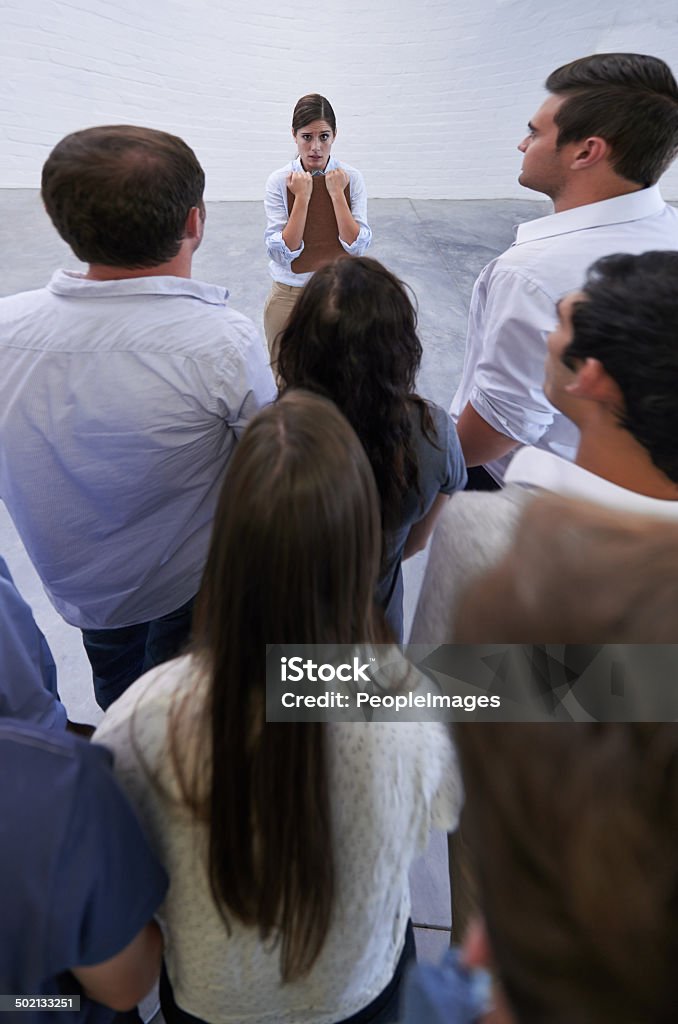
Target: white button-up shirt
{"x": 120, "y": 404}
{"x": 541, "y": 470}
{"x": 513, "y": 310}
{"x": 277, "y": 215}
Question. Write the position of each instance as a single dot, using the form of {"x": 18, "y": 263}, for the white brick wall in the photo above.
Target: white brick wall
{"x": 431, "y": 96}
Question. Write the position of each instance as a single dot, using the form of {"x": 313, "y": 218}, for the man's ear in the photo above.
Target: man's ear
{"x": 593, "y": 382}
{"x": 589, "y": 152}
{"x": 475, "y": 947}
{"x": 195, "y": 223}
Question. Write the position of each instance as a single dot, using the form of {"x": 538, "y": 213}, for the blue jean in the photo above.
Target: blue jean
{"x": 382, "y": 1010}
{"x": 119, "y": 656}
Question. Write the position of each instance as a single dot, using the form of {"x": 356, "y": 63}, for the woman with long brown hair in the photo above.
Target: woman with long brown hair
{"x": 288, "y": 845}
{"x": 353, "y": 337}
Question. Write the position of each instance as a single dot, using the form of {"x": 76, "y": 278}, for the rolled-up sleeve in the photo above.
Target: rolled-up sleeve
{"x": 277, "y": 215}
{"x": 359, "y": 211}
{"x": 508, "y": 382}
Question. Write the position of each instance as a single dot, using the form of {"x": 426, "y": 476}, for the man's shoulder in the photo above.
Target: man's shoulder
{"x": 56, "y": 762}
{"x": 22, "y": 302}
{"x": 557, "y": 260}
{"x": 480, "y": 514}
{"x": 174, "y": 316}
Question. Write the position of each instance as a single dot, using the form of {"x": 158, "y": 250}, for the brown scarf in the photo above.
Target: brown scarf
{"x": 321, "y": 234}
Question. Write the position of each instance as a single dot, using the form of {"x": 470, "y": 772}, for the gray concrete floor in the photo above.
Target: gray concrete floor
{"x": 436, "y": 246}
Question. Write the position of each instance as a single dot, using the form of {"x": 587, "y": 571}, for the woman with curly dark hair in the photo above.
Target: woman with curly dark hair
{"x": 353, "y": 337}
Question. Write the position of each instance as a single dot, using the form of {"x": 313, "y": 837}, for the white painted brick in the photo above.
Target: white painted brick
{"x": 431, "y": 96}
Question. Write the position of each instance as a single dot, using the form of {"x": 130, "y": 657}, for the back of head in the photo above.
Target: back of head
{"x": 295, "y": 545}
{"x": 353, "y": 337}
{"x": 293, "y": 560}
{"x": 313, "y": 107}
{"x": 572, "y": 830}
{"x": 579, "y": 819}
{"x": 627, "y": 566}
{"x": 629, "y": 322}
{"x": 628, "y": 99}
{"x": 119, "y": 195}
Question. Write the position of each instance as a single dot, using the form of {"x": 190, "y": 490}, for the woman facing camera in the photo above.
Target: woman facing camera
{"x": 288, "y": 845}
{"x": 353, "y": 337}
{"x": 316, "y": 210}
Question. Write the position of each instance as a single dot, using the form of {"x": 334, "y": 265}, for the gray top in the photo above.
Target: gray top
{"x": 441, "y": 471}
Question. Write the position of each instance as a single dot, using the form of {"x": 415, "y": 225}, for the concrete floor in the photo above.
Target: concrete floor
{"x": 436, "y": 246}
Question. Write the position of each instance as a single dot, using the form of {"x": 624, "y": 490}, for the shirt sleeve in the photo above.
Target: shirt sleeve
{"x": 513, "y": 322}
{"x": 28, "y": 688}
{"x": 277, "y": 215}
{"x": 245, "y": 382}
{"x": 359, "y": 211}
{"x": 453, "y": 467}
{"x": 108, "y": 883}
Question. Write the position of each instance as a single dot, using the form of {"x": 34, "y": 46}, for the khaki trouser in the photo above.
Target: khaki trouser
{"x": 279, "y": 305}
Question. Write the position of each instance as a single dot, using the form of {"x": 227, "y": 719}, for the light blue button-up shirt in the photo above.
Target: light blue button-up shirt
{"x": 277, "y": 215}
{"x": 120, "y": 404}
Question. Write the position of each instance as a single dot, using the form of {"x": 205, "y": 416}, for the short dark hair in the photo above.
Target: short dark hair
{"x": 119, "y": 195}
{"x": 313, "y": 107}
{"x": 628, "y": 99}
{"x": 629, "y": 322}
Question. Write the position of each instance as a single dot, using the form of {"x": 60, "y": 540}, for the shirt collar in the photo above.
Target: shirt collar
{"x": 534, "y": 467}
{"x": 73, "y": 283}
{"x": 332, "y": 164}
{"x": 633, "y": 206}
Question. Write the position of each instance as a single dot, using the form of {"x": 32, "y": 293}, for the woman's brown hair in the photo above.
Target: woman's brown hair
{"x": 312, "y": 107}
{"x": 352, "y": 337}
{"x": 293, "y": 559}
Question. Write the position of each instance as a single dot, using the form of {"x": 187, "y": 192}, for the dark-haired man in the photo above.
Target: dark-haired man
{"x": 597, "y": 146}
{"x": 122, "y": 393}
{"x": 612, "y": 372}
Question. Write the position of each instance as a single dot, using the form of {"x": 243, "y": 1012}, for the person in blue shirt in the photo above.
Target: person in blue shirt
{"x": 79, "y": 883}
{"x": 28, "y": 677}
{"x": 28, "y": 686}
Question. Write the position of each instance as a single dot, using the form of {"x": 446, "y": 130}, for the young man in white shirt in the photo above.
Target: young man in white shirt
{"x": 123, "y": 390}
{"x": 597, "y": 146}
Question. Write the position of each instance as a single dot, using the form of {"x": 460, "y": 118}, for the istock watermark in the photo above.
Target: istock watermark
{"x": 485, "y": 682}
{"x": 294, "y": 670}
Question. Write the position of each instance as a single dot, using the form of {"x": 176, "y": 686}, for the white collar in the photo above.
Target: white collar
{"x": 72, "y": 282}
{"x": 633, "y": 206}
{"x": 534, "y": 467}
